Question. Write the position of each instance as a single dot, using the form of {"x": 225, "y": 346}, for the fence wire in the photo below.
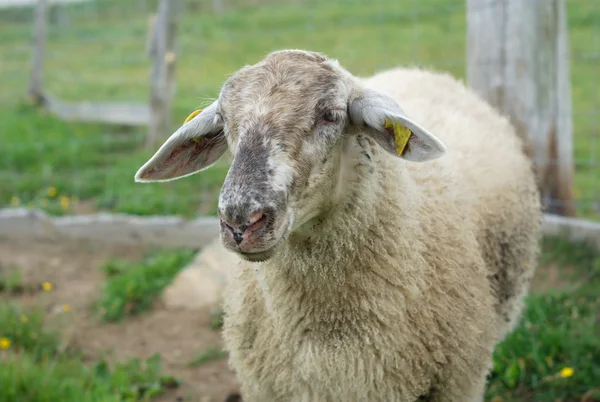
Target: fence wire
{"x": 97, "y": 51}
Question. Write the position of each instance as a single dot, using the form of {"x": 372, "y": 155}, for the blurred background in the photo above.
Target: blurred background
{"x": 102, "y": 51}
{"x": 90, "y": 88}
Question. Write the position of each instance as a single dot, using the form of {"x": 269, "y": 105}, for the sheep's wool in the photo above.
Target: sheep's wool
{"x": 398, "y": 230}
{"x": 402, "y": 290}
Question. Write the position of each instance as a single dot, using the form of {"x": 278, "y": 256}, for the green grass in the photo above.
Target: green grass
{"x": 216, "y": 318}
{"x": 70, "y": 380}
{"x": 559, "y": 330}
{"x": 98, "y": 54}
{"x": 132, "y": 287}
{"x": 24, "y": 330}
{"x": 36, "y": 367}
{"x": 210, "y": 354}
{"x": 10, "y": 281}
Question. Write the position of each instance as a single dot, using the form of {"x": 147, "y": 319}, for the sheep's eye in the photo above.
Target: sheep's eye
{"x": 330, "y": 116}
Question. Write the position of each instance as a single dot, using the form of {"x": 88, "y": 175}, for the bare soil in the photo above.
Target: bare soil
{"x": 178, "y": 336}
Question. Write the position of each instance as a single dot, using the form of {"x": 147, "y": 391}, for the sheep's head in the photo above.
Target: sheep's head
{"x": 284, "y": 120}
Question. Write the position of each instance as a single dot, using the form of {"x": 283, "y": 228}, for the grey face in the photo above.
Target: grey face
{"x": 281, "y": 118}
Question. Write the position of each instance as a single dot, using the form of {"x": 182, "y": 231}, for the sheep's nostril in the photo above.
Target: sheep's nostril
{"x": 238, "y": 237}
{"x": 236, "y": 233}
{"x": 256, "y": 221}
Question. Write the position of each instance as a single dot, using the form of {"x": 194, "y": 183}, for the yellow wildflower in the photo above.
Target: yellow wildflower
{"x": 4, "y": 343}
{"x": 15, "y": 201}
{"x": 66, "y": 308}
{"x": 47, "y": 286}
{"x": 65, "y": 202}
{"x": 52, "y": 192}
{"x": 566, "y": 372}
{"x": 24, "y": 319}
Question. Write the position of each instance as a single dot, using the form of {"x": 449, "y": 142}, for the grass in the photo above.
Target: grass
{"x": 210, "y": 354}
{"x": 132, "y": 287}
{"x": 23, "y": 328}
{"x": 558, "y": 336}
{"x": 216, "y": 318}
{"x": 11, "y": 281}
{"x": 36, "y": 367}
{"x": 96, "y": 52}
{"x": 12, "y": 284}
{"x": 70, "y": 380}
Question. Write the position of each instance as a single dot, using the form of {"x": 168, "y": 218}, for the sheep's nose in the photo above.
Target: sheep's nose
{"x": 241, "y": 229}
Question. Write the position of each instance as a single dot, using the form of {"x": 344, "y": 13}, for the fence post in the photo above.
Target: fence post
{"x": 218, "y": 6}
{"x": 151, "y": 37}
{"x": 518, "y": 60}
{"x": 162, "y": 75}
{"x": 36, "y": 78}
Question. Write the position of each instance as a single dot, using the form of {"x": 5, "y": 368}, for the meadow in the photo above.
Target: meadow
{"x": 80, "y": 322}
{"x": 96, "y": 52}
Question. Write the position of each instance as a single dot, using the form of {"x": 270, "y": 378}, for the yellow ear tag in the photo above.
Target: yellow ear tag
{"x": 401, "y": 135}
{"x": 191, "y": 116}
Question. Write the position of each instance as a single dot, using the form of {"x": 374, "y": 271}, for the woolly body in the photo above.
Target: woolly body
{"x": 403, "y": 288}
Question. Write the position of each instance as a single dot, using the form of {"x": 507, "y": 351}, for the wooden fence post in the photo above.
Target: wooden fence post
{"x": 151, "y": 37}
{"x": 218, "y": 6}
{"x": 518, "y": 60}
{"x": 162, "y": 75}
{"x": 36, "y": 78}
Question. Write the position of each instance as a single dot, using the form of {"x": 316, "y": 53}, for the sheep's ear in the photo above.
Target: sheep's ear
{"x": 392, "y": 129}
{"x": 195, "y": 146}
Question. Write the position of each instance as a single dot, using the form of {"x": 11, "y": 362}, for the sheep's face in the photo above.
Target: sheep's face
{"x": 284, "y": 120}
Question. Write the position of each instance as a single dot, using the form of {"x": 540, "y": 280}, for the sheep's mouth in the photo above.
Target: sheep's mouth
{"x": 261, "y": 248}
{"x": 262, "y": 255}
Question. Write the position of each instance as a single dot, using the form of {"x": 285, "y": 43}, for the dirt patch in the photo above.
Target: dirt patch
{"x": 178, "y": 336}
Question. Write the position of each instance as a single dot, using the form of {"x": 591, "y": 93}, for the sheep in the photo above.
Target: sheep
{"x": 378, "y": 261}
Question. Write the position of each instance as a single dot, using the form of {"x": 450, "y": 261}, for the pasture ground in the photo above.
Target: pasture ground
{"x": 80, "y": 311}
{"x": 78, "y": 281}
